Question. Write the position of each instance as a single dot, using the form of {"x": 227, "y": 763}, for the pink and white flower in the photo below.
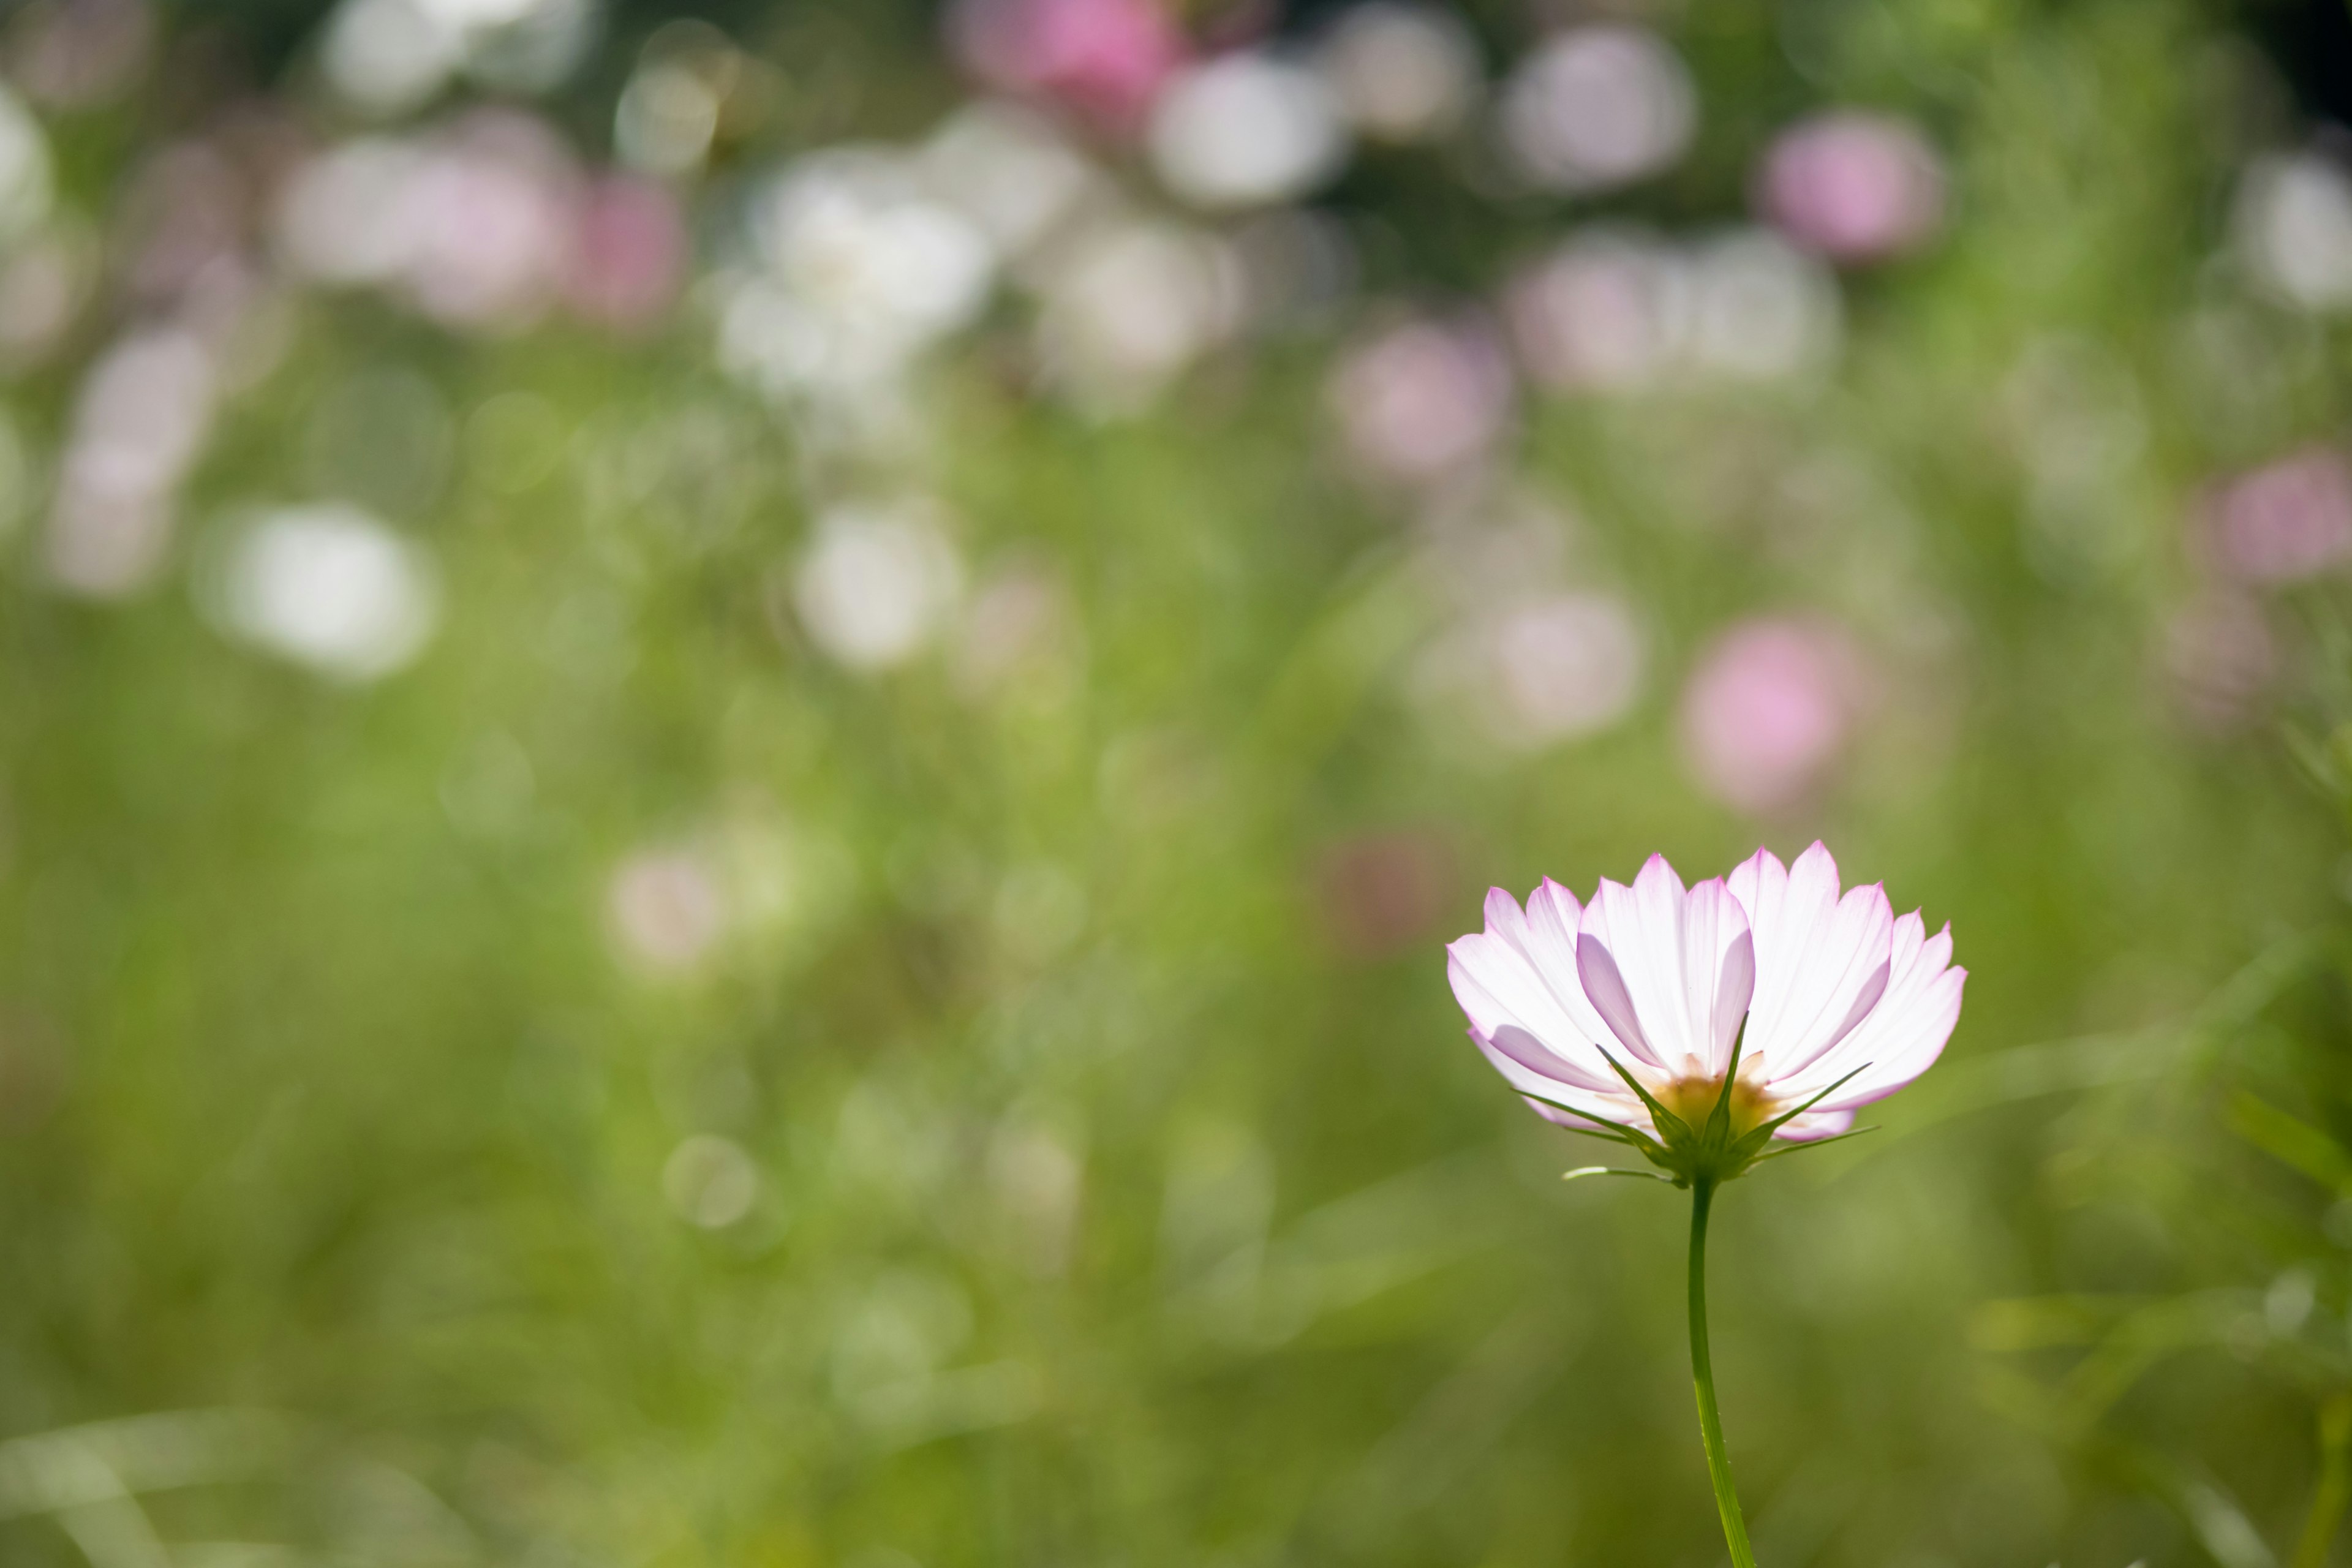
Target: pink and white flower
{"x": 1621, "y": 1016}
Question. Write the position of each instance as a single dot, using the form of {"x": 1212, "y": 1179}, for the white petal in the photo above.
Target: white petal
{"x": 1815, "y": 1124}
{"x": 1822, "y": 960}
{"x": 1669, "y": 971}
{"x": 1619, "y": 1106}
{"x": 1520, "y": 972}
{"x": 1905, "y": 1033}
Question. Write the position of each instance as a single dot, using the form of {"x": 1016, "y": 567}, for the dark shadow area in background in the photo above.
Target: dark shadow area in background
{"x": 2310, "y": 42}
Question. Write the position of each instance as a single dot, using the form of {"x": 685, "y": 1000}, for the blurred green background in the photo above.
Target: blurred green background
{"x": 738, "y": 741}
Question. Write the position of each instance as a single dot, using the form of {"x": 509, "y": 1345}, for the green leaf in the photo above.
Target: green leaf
{"x": 1718, "y": 1121}
{"x": 1617, "y": 1132}
{"x": 2297, "y": 1142}
{"x": 1794, "y": 1148}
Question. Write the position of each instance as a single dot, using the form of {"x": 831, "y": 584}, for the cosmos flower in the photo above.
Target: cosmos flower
{"x": 1627, "y": 1016}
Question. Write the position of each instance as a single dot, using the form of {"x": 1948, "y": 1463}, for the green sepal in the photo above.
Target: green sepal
{"x": 1617, "y": 1132}
{"x": 1718, "y": 1121}
{"x": 1672, "y": 1128}
{"x": 1583, "y": 1170}
{"x": 1799, "y": 1148}
{"x": 1746, "y": 1148}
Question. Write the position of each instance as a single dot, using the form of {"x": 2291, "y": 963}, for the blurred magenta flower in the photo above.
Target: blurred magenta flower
{"x": 1853, "y": 187}
{"x": 1769, "y": 709}
{"x": 1106, "y": 59}
{"x": 2287, "y": 520}
{"x": 1620, "y": 1016}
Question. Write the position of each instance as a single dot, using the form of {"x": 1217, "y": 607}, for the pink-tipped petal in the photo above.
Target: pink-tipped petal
{"x": 1559, "y": 1118}
{"x": 1551, "y": 1090}
{"x": 1532, "y": 1054}
{"x": 1604, "y": 987}
{"x": 1520, "y": 973}
{"x": 1669, "y": 970}
{"x": 1821, "y": 960}
{"x": 1906, "y": 1031}
{"x": 1815, "y": 1124}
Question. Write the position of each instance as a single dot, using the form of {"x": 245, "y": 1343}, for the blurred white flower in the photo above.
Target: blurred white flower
{"x": 1007, "y": 170}
{"x": 1401, "y": 72}
{"x": 1246, "y": 130}
{"x": 1617, "y": 310}
{"x": 1599, "y": 106}
{"x": 877, "y": 581}
{"x": 2295, "y": 228}
{"x": 489, "y": 218}
{"x": 1129, "y": 305}
{"x": 24, "y": 172}
{"x": 1760, "y": 308}
{"x": 140, "y": 422}
{"x": 864, "y": 271}
{"x": 666, "y": 119}
{"x": 1543, "y": 671}
{"x": 341, "y": 219}
{"x": 1567, "y": 666}
{"x": 387, "y": 56}
{"x": 476, "y": 226}
{"x": 1422, "y": 401}
{"x": 328, "y": 586}
{"x": 1605, "y": 313}
{"x": 666, "y": 908}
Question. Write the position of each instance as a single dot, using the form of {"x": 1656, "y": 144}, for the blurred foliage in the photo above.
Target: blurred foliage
{"x": 1066, "y": 1150}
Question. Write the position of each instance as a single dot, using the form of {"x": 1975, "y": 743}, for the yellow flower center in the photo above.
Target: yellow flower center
{"x": 1694, "y": 1100}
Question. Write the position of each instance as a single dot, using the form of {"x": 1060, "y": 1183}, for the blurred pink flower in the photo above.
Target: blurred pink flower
{"x": 1106, "y": 59}
{"x": 2290, "y": 520}
{"x": 490, "y": 213}
{"x": 1854, "y": 187}
{"x": 629, "y": 253}
{"x": 1600, "y": 313}
{"x": 1841, "y": 1003}
{"x": 1422, "y": 401}
{"x": 1769, "y": 709}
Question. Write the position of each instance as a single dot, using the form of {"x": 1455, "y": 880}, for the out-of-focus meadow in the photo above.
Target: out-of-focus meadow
{"x": 737, "y": 743}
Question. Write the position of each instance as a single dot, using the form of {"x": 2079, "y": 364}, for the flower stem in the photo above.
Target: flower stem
{"x": 1710, "y": 1423}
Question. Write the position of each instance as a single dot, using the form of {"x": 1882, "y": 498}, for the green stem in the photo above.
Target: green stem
{"x": 2334, "y": 1489}
{"x": 1710, "y": 1424}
